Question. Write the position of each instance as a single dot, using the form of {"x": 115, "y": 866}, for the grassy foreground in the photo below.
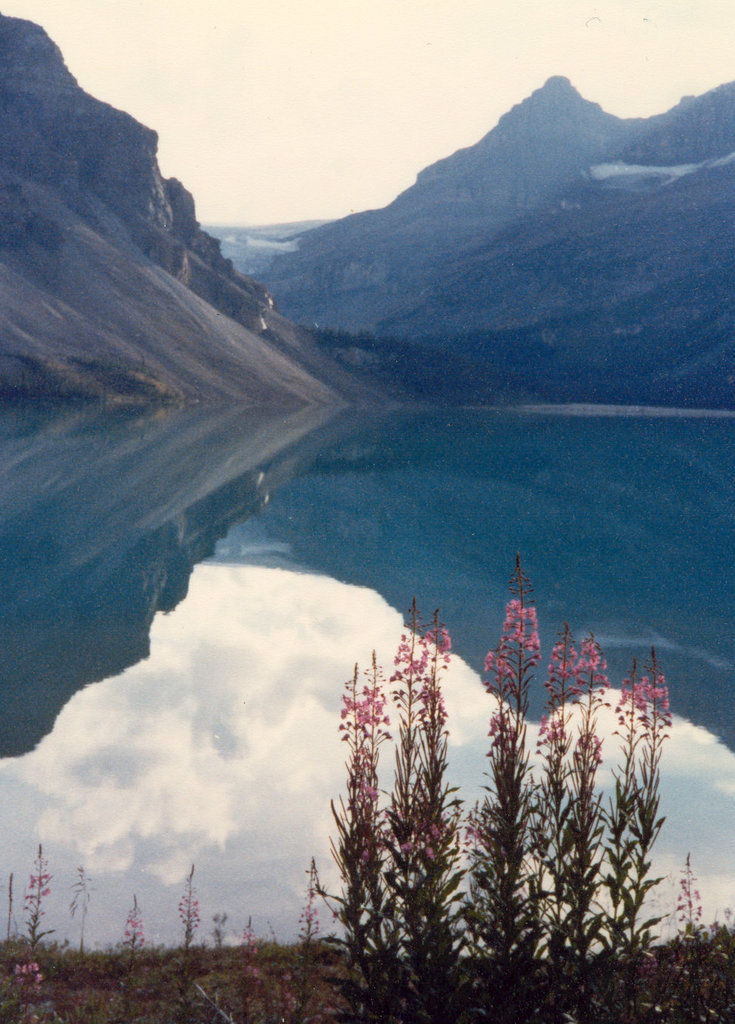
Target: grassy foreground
{"x": 243, "y": 984}
{"x": 691, "y": 978}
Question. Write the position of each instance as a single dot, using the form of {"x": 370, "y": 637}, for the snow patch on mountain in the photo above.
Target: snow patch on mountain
{"x": 620, "y": 170}
{"x": 602, "y": 172}
{"x": 252, "y": 249}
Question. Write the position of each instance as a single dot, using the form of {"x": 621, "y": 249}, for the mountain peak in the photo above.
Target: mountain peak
{"x": 558, "y": 83}
{"x": 555, "y": 115}
{"x": 32, "y": 63}
{"x": 540, "y": 147}
{"x": 556, "y": 98}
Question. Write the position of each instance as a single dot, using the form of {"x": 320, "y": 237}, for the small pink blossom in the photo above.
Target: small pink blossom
{"x": 517, "y": 654}
{"x": 28, "y": 974}
{"x": 645, "y": 703}
{"x": 552, "y": 731}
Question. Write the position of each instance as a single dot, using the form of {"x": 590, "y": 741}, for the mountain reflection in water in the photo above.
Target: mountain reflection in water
{"x": 102, "y": 519}
{"x": 209, "y": 735}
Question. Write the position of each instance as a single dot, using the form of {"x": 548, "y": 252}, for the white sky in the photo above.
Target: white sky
{"x": 281, "y": 110}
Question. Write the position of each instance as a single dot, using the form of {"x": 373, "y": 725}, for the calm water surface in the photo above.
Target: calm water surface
{"x": 184, "y": 597}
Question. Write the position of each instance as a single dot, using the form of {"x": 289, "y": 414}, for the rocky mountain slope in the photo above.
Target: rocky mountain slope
{"x": 108, "y": 285}
{"x": 625, "y": 295}
{"x": 567, "y": 255}
{"x": 355, "y": 271}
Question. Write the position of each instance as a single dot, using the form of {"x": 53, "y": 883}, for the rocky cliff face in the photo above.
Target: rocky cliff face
{"x": 108, "y": 285}
{"x": 56, "y": 135}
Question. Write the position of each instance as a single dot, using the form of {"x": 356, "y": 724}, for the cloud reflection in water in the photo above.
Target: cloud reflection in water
{"x": 221, "y": 749}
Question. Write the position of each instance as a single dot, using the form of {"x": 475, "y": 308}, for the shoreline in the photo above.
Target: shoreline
{"x": 592, "y": 409}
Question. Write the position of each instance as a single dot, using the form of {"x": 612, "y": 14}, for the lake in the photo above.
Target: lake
{"x": 185, "y": 594}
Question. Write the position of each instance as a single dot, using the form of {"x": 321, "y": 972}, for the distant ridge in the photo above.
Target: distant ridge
{"x": 353, "y": 272}
{"x": 568, "y": 255}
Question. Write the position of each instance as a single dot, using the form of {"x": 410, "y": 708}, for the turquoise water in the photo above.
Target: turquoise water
{"x": 184, "y": 597}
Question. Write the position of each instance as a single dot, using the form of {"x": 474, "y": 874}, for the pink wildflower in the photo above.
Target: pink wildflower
{"x": 517, "y": 654}
{"x": 364, "y": 715}
{"x": 589, "y": 672}
{"x": 38, "y": 889}
{"x": 250, "y": 952}
{"x": 28, "y": 974}
{"x": 689, "y": 903}
{"x": 562, "y": 666}
{"x": 645, "y": 703}
{"x": 133, "y": 934}
{"x": 309, "y": 917}
{"x": 552, "y": 731}
{"x": 521, "y": 627}
{"x": 189, "y": 910}
{"x": 440, "y": 638}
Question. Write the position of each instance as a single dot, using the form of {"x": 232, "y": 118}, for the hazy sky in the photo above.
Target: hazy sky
{"x": 279, "y": 110}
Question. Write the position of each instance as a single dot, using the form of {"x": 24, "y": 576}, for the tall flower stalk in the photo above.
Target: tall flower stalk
{"x": 574, "y": 918}
{"x": 370, "y": 938}
{"x": 306, "y": 956}
{"x": 133, "y": 933}
{"x": 552, "y": 813}
{"x": 634, "y": 821}
{"x": 39, "y": 887}
{"x": 133, "y": 942}
{"x": 400, "y": 905}
{"x": 81, "y": 897}
{"x": 190, "y": 919}
{"x": 503, "y": 910}
{"x": 251, "y": 984}
{"x": 189, "y": 911}
{"x": 10, "y": 907}
{"x": 422, "y": 836}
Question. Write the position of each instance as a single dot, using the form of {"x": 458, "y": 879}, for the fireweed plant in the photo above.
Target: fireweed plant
{"x": 539, "y": 914}
{"x": 422, "y": 832}
{"x": 189, "y": 911}
{"x": 307, "y": 948}
{"x": 633, "y": 823}
{"x": 503, "y": 912}
{"x": 190, "y": 920}
{"x": 132, "y": 943}
{"x": 371, "y": 943}
{"x": 400, "y": 859}
{"x": 39, "y": 887}
{"x": 81, "y": 897}
{"x": 133, "y": 933}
